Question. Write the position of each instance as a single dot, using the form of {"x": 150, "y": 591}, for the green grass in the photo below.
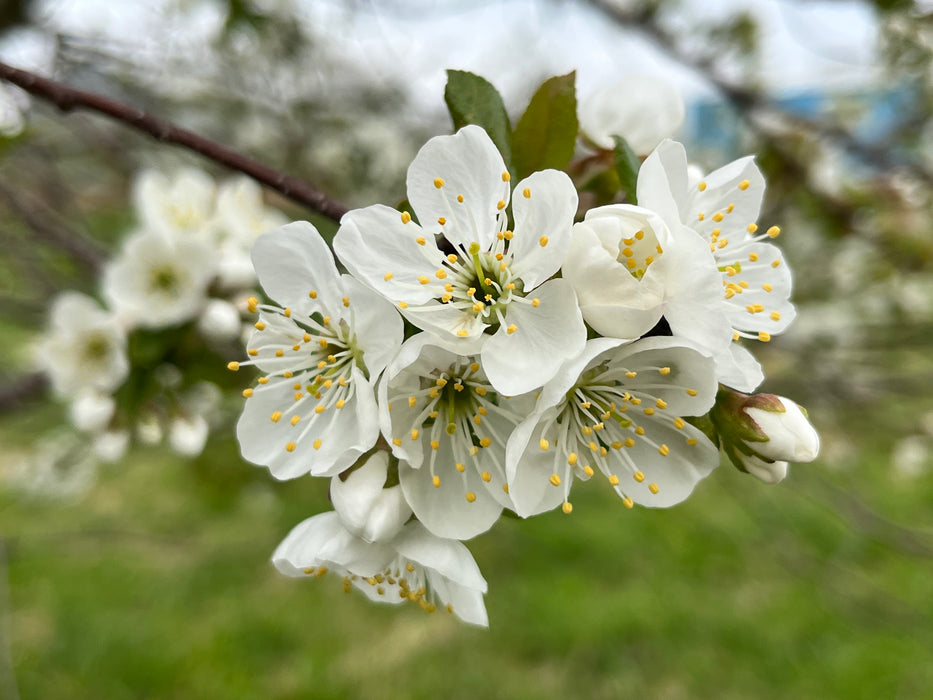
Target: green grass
{"x": 158, "y": 585}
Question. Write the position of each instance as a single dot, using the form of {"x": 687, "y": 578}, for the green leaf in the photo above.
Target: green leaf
{"x": 473, "y": 100}
{"x": 547, "y": 132}
{"x": 627, "y": 165}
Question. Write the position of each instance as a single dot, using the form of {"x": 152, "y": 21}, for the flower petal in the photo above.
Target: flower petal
{"x": 293, "y": 261}
{"x": 543, "y": 210}
{"x": 449, "y": 558}
{"x": 738, "y": 368}
{"x": 466, "y": 165}
{"x": 544, "y": 337}
{"x": 375, "y": 323}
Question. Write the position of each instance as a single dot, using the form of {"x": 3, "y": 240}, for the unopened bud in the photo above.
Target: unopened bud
{"x": 367, "y": 509}
{"x": 761, "y": 433}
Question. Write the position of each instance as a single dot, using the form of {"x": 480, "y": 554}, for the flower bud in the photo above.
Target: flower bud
{"x": 91, "y": 410}
{"x": 790, "y": 436}
{"x": 367, "y": 510}
{"x": 187, "y": 436}
{"x": 761, "y": 433}
{"x": 219, "y": 321}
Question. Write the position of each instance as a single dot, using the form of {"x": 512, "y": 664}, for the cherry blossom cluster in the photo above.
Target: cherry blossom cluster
{"x": 174, "y": 296}
{"x": 485, "y": 352}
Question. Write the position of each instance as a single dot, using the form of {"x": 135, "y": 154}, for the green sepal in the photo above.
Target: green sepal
{"x": 546, "y": 134}
{"x": 627, "y": 166}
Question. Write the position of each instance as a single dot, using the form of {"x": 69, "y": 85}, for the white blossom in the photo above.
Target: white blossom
{"x": 414, "y": 566}
{"x": 462, "y": 273}
{"x": 366, "y": 507}
{"x": 180, "y": 206}
{"x": 84, "y": 347}
{"x": 723, "y": 208}
{"x": 91, "y": 410}
{"x": 187, "y": 435}
{"x": 314, "y": 411}
{"x": 790, "y": 435}
{"x": 158, "y": 280}
{"x": 643, "y": 109}
{"x": 617, "y": 409}
{"x": 449, "y": 426}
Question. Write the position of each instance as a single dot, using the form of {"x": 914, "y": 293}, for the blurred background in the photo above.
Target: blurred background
{"x": 149, "y": 577}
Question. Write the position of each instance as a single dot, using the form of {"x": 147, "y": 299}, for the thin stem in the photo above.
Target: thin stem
{"x": 68, "y": 99}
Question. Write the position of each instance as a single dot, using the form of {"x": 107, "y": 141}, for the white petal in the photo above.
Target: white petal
{"x": 662, "y": 182}
{"x": 293, "y": 260}
{"x": 545, "y": 337}
{"x": 688, "y": 369}
{"x": 678, "y": 473}
{"x": 375, "y": 323}
{"x": 390, "y": 256}
{"x": 721, "y": 193}
{"x": 469, "y": 165}
{"x": 344, "y": 433}
{"x": 368, "y": 510}
{"x": 545, "y": 215}
{"x": 449, "y": 558}
{"x": 738, "y": 368}
{"x": 444, "y": 509}
{"x": 301, "y": 547}
{"x": 530, "y": 469}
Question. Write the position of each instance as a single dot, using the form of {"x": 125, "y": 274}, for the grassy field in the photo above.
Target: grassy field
{"x": 157, "y": 585}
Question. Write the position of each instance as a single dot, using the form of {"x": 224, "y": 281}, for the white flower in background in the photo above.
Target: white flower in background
{"x": 461, "y": 272}
{"x": 158, "y": 281}
{"x": 643, "y": 109}
{"x": 187, "y": 435}
{"x": 110, "y": 446}
{"x": 13, "y": 104}
{"x": 910, "y": 456}
{"x": 84, "y": 347}
{"x": 181, "y": 206}
{"x": 414, "y": 566}
{"x": 449, "y": 427}
{"x": 62, "y": 466}
{"x": 723, "y": 207}
{"x": 617, "y": 409}
{"x": 240, "y": 219}
{"x": 91, "y": 410}
{"x": 220, "y": 320}
{"x": 367, "y": 509}
{"x": 149, "y": 429}
{"x": 628, "y": 269}
{"x": 315, "y": 409}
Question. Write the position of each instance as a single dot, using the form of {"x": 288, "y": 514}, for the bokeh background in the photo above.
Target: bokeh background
{"x": 149, "y": 578}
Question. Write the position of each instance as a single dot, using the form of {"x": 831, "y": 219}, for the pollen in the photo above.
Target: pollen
{"x": 486, "y": 476}
{"x": 485, "y": 442}
{"x": 511, "y": 329}
{"x": 233, "y": 366}
{"x": 628, "y": 502}
{"x": 441, "y": 220}
{"x": 316, "y": 444}
{"x": 462, "y": 333}
{"x": 554, "y": 479}
{"x": 572, "y": 458}
{"x": 664, "y": 371}
{"x": 664, "y": 450}
{"x": 775, "y": 315}
{"x": 397, "y": 442}
{"x": 774, "y": 232}
{"x": 543, "y": 241}
{"x": 776, "y": 263}
{"x": 436, "y": 480}
{"x": 679, "y": 423}
{"x": 691, "y": 392}
{"x": 438, "y": 182}
{"x": 340, "y": 403}
{"x": 440, "y": 274}
{"x": 767, "y": 287}
{"x": 470, "y": 496}
{"x": 460, "y": 198}
{"x": 526, "y": 193}
{"x": 247, "y": 393}
{"x": 460, "y": 467}
{"x": 613, "y": 480}
{"x": 424, "y": 280}
{"x": 500, "y": 205}
{"x": 653, "y": 488}
{"x": 717, "y": 217}
{"x": 764, "y": 337}
{"x": 290, "y": 447}
{"x": 294, "y": 421}
{"x": 506, "y": 177}
{"x": 702, "y": 187}
{"x": 639, "y": 476}
{"x": 312, "y": 294}
{"x": 414, "y": 434}
{"x": 544, "y": 444}
{"x": 631, "y": 375}
{"x": 751, "y": 228}
{"x": 536, "y": 303}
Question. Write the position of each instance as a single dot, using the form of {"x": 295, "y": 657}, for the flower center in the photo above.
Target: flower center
{"x": 639, "y": 251}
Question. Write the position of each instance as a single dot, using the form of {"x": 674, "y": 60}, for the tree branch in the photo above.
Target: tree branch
{"x": 68, "y": 99}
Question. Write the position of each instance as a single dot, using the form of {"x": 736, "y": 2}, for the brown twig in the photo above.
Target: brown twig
{"x": 68, "y": 99}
